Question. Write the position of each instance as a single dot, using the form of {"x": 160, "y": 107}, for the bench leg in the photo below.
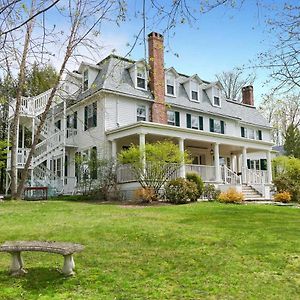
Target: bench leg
{"x": 16, "y": 267}
{"x": 69, "y": 265}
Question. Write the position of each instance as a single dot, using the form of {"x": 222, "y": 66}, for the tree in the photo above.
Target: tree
{"x": 160, "y": 161}
{"x": 292, "y": 141}
{"x": 233, "y": 81}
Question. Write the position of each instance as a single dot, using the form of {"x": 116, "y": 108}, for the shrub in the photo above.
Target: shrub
{"x": 231, "y": 196}
{"x": 284, "y": 197}
{"x": 181, "y": 191}
{"x": 210, "y": 192}
{"x": 145, "y": 194}
{"x": 194, "y": 177}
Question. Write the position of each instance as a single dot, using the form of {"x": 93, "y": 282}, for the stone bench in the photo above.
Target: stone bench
{"x": 16, "y": 247}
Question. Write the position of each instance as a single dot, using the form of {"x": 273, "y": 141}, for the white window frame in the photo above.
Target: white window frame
{"x": 143, "y": 77}
{"x": 86, "y": 71}
{"x": 214, "y": 104}
{"x": 140, "y": 107}
{"x": 196, "y": 121}
{"x": 217, "y": 126}
{"x": 197, "y": 90}
{"x": 170, "y": 121}
{"x": 251, "y": 134}
{"x": 170, "y": 78}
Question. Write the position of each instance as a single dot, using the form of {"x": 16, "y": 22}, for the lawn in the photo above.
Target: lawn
{"x": 197, "y": 251}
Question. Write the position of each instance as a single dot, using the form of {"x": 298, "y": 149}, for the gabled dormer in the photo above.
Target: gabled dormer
{"x": 171, "y": 82}
{"x": 139, "y": 75}
{"x": 89, "y": 73}
{"x": 192, "y": 88}
{"x": 214, "y": 93}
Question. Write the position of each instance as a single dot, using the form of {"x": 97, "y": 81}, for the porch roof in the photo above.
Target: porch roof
{"x": 185, "y": 133}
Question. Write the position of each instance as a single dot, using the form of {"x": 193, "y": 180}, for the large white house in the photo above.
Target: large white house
{"x": 108, "y": 106}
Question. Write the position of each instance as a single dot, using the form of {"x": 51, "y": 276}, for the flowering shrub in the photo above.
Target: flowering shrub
{"x": 181, "y": 191}
{"x": 194, "y": 177}
{"x": 284, "y": 197}
{"x": 145, "y": 194}
{"x": 231, "y": 196}
{"x": 210, "y": 192}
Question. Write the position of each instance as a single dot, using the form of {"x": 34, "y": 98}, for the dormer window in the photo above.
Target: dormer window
{"x": 170, "y": 85}
{"x": 141, "y": 78}
{"x": 85, "y": 80}
{"x": 195, "y": 95}
{"x": 216, "y": 101}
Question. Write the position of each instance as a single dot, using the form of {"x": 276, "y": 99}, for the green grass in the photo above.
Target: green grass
{"x": 198, "y": 251}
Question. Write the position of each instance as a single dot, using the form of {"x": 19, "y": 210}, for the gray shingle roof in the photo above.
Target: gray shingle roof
{"x": 114, "y": 76}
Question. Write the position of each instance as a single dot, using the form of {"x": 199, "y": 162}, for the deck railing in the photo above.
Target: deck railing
{"x": 256, "y": 176}
{"x": 207, "y": 173}
{"x": 229, "y": 177}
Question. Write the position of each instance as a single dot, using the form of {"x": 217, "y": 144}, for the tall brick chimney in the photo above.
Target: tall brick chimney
{"x": 248, "y": 98}
{"x": 157, "y": 77}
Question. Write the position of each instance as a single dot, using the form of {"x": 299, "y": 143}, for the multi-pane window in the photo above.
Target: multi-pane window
{"x": 90, "y": 116}
{"x": 251, "y": 133}
{"x": 195, "y": 95}
{"x": 216, "y": 101}
{"x": 194, "y": 122}
{"x": 72, "y": 120}
{"x": 173, "y": 118}
{"x": 170, "y": 86}
{"x": 217, "y": 126}
{"x": 141, "y": 78}
{"x": 141, "y": 113}
{"x": 85, "y": 80}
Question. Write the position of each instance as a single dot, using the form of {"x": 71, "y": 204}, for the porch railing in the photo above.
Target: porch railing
{"x": 125, "y": 174}
{"x": 229, "y": 177}
{"x": 256, "y": 176}
{"x": 207, "y": 173}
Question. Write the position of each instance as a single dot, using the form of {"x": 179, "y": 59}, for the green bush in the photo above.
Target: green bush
{"x": 181, "y": 191}
{"x": 194, "y": 177}
{"x": 210, "y": 192}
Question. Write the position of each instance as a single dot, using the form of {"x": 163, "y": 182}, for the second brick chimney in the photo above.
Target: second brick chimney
{"x": 157, "y": 77}
{"x": 247, "y": 93}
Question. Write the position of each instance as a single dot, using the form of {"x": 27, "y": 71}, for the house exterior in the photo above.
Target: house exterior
{"x": 105, "y": 107}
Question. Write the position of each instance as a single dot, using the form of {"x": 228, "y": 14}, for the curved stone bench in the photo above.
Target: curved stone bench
{"x": 16, "y": 247}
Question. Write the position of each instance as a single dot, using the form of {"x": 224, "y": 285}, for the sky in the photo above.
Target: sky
{"x": 218, "y": 41}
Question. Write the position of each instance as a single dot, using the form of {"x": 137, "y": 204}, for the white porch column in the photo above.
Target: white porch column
{"x": 113, "y": 149}
{"x": 142, "y": 142}
{"x": 244, "y": 165}
{"x": 181, "y": 149}
{"x": 269, "y": 167}
{"x": 217, "y": 162}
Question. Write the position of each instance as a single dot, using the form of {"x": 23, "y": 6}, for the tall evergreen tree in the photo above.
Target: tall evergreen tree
{"x": 292, "y": 141}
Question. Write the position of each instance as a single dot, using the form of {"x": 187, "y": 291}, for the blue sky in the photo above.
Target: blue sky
{"x": 219, "y": 41}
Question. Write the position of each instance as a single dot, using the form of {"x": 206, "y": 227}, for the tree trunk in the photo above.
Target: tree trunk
{"x": 15, "y": 122}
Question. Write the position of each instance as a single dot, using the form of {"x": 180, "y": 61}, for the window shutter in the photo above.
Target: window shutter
{"x": 211, "y": 125}
{"x": 222, "y": 127}
{"x": 95, "y": 114}
{"x": 263, "y": 164}
{"x": 75, "y": 120}
{"x": 200, "y": 123}
{"x": 177, "y": 118}
{"x": 248, "y": 163}
{"x": 188, "y": 121}
{"x": 242, "y": 131}
{"x": 259, "y": 135}
{"x": 85, "y": 118}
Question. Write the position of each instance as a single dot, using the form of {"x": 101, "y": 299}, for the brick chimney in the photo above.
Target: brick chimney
{"x": 157, "y": 77}
{"x": 248, "y": 98}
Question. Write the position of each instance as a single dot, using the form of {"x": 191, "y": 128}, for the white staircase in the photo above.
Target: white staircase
{"x": 250, "y": 194}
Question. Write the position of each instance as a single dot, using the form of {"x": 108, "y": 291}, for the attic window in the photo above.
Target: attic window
{"x": 141, "y": 78}
{"x": 85, "y": 80}
{"x": 195, "y": 95}
{"x": 170, "y": 86}
{"x": 216, "y": 101}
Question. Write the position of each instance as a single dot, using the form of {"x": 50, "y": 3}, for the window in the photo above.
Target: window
{"x": 170, "y": 86}
{"x": 90, "y": 116}
{"x": 259, "y": 135}
{"x": 72, "y": 120}
{"x": 85, "y": 80}
{"x": 141, "y": 113}
{"x": 216, "y": 101}
{"x": 251, "y": 134}
{"x": 173, "y": 118}
{"x": 58, "y": 124}
{"x": 195, "y": 95}
{"x": 141, "y": 78}
{"x": 194, "y": 122}
{"x": 217, "y": 126}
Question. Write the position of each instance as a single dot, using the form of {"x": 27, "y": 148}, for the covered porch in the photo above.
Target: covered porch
{"x": 219, "y": 159}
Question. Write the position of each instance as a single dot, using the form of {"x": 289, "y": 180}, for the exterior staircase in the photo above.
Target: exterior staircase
{"x": 251, "y": 195}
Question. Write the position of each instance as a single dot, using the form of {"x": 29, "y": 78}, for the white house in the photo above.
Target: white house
{"x": 107, "y": 106}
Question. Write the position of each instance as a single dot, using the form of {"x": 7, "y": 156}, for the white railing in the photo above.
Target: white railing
{"x": 207, "y": 173}
{"x": 21, "y": 158}
{"x": 125, "y": 174}
{"x": 40, "y": 102}
{"x": 44, "y": 147}
{"x": 256, "y": 176}
{"x": 229, "y": 177}
{"x": 26, "y": 107}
